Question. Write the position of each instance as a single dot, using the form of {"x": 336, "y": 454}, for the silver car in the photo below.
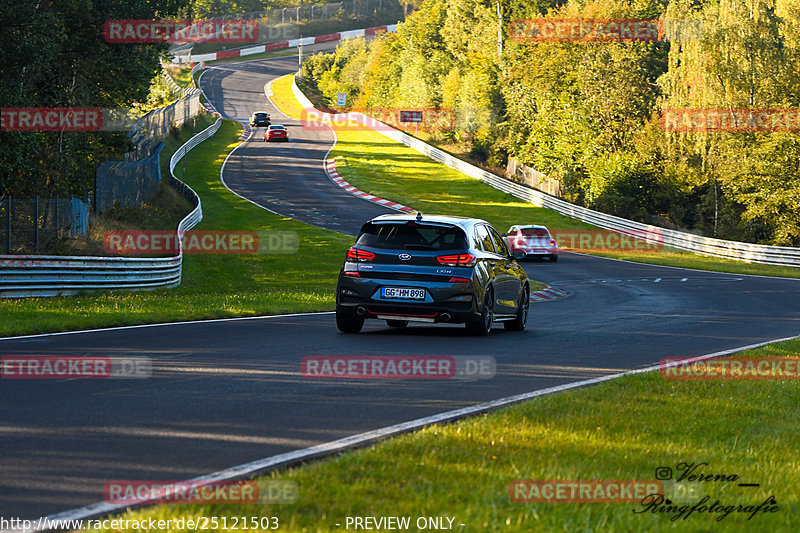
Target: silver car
{"x": 532, "y": 241}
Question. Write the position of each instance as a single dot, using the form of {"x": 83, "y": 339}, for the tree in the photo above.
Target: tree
{"x": 54, "y": 55}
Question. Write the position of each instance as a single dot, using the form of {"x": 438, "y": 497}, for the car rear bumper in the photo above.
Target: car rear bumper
{"x": 446, "y": 303}
{"x": 455, "y": 313}
{"x": 537, "y": 252}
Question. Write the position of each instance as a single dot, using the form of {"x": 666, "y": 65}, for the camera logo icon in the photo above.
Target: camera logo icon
{"x": 663, "y": 473}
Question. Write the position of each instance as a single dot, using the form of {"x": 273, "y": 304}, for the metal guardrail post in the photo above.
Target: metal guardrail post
{"x": 8, "y": 224}
{"x": 36, "y": 223}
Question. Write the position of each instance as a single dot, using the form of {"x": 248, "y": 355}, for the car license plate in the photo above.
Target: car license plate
{"x": 402, "y": 293}
{"x": 538, "y": 251}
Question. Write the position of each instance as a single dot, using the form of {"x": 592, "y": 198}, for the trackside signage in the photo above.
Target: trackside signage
{"x": 180, "y": 31}
{"x": 73, "y": 367}
{"x": 398, "y": 367}
{"x": 128, "y": 492}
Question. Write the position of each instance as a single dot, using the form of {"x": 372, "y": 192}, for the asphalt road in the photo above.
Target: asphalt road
{"x": 228, "y": 392}
{"x": 287, "y": 178}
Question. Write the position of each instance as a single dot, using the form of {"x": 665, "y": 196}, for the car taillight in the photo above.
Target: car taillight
{"x": 519, "y": 243}
{"x": 457, "y": 260}
{"x": 456, "y": 279}
{"x": 553, "y": 242}
{"x": 352, "y": 274}
{"x": 354, "y": 254}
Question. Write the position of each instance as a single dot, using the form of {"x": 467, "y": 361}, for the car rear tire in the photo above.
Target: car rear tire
{"x": 397, "y": 323}
{"x": 348, "y": 321}
{"x": 518, "y": 324}
{"x": 482, "y": 325}
{"x": 553, "y": 258}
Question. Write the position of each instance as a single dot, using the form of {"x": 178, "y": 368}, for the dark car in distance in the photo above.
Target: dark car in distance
{"x": 431, "y": 269}
{"x": 259, "y": 118}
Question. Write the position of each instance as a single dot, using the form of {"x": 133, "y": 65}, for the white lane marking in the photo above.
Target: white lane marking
{"x": 248, "y": 470}
{"x": 653, "y": 265}
{"x": 180, "y": 323}
{"x": 657, "y": 280}
{"x": 684, "y": 279}
{"x": 222, "y": 179}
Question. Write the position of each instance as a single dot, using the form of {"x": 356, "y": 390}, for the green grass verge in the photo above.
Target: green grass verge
{"x": 622, "y": 429}
{"x": 213, "y": 286}
{"x": 382, "y": 167}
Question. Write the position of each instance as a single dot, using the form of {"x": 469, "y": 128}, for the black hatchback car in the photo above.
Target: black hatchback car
{"x": 259, "y": 118}
{"x": 434, "y": 269}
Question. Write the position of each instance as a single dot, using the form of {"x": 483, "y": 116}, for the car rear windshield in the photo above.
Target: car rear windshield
{"x": 261, "y": 115}
{"x": 413, "y": 236}
{"x": 535, "y": 232}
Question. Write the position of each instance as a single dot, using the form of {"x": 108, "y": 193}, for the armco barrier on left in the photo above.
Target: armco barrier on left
{"x": 25, "y": 275}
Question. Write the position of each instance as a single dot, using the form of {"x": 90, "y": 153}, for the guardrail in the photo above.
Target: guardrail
{"x": 280, "y": 45}
{"x": 740, "y": 251}
{"x": 45, "y": 275}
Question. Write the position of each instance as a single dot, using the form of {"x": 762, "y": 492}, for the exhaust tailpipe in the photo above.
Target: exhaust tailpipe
{"x": 360, "y": 311}
{"x": 445, "y": 317}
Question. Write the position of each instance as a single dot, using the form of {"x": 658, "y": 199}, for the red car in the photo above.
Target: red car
{"x": 276, "y": 133}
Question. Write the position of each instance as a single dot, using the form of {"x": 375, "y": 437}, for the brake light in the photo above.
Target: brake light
{"x": 553, "y": 242}
{"x": 457, "y": 260}
{"x": 456, "y": 279}
{"x": 352, "y": 274}
{"x": 519, "y": 243}
{"x": 354, "y": 254}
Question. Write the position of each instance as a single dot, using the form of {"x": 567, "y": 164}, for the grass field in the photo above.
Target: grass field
{"x": 385, "y": 168}
{"x": 623, "y": 429}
